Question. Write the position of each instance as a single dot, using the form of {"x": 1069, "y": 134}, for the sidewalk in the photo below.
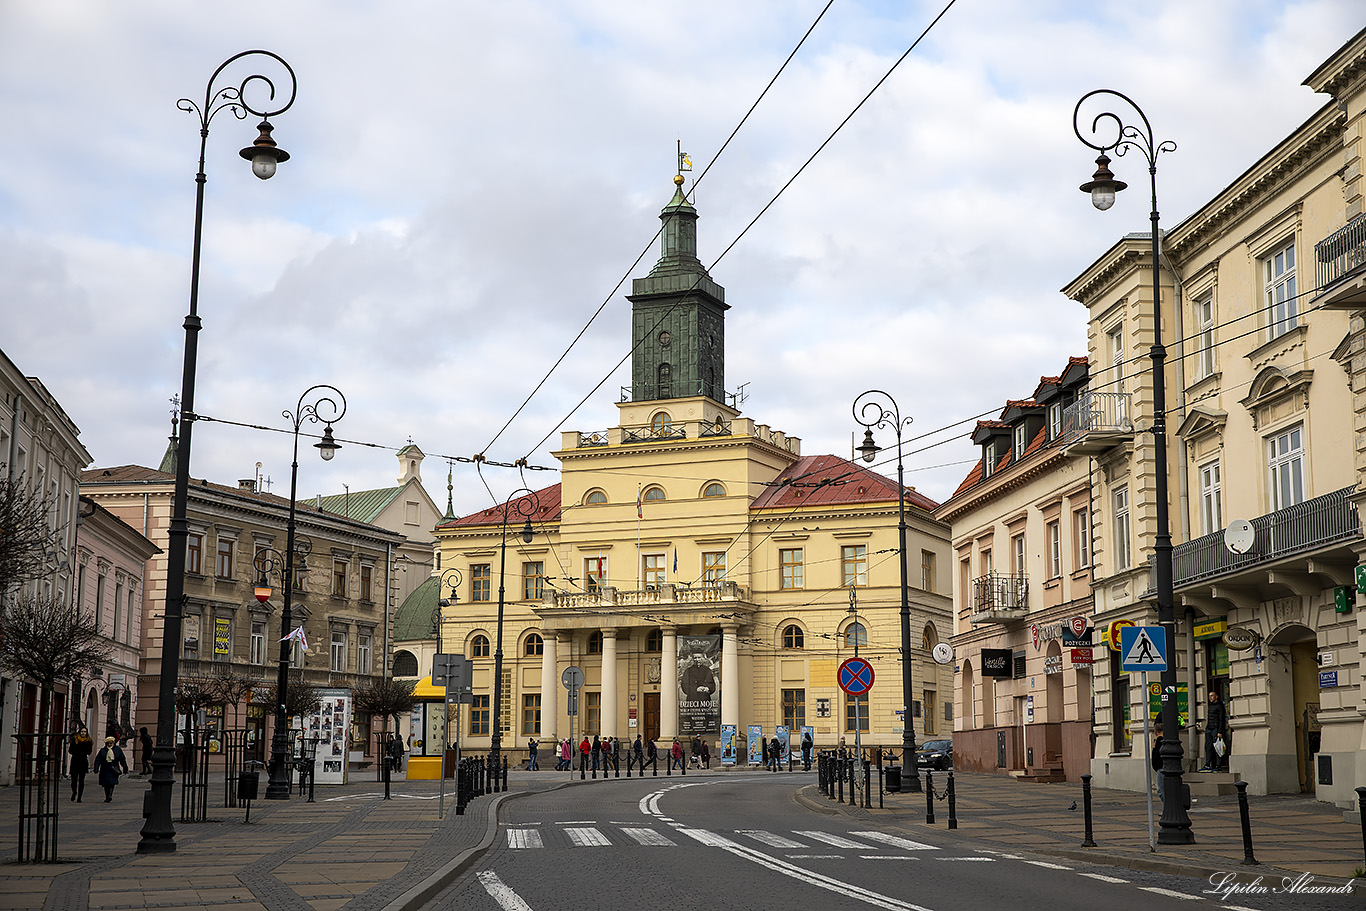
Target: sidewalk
{"x": 1290, "y": 834}
{"x": 350, "y": 848}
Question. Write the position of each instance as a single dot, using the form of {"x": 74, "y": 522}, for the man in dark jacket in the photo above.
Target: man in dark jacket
{"x": 1216, "y": 725}
{"x": 145, "y": 742}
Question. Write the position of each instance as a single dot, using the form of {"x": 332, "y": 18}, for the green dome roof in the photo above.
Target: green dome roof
{"x": 417, "y": 615}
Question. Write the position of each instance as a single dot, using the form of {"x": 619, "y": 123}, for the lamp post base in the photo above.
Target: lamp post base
{"x": 158, "y": 833}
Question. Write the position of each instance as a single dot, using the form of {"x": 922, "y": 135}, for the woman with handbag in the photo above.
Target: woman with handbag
{"x": 109, "y": 765}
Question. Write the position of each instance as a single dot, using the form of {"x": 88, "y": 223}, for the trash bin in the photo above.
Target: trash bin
{"x": 893, "y": 776}
{"x": 248, "y": 785}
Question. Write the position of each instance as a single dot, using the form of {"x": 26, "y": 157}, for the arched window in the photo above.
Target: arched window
{"x": 653, "y": 493}
{"x": 479, "y": 646}
{"x": 856, "y": 633}
{"x": 535, "y": 645}
{"x": 714, "y": 489}
{"x": 654, "y": 640}
{"x": 405, "y": 664}
{"x": 661, "y": 422}
{"x": 793, "y": 637}
{"x": 930, "y": 638}
{"x": 595, "y": 643}
{"x": 594, "y": 498}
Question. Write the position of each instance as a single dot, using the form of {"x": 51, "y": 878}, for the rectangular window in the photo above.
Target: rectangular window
{"x": 118, "y": 606}
{"x": 257, "y": 653}
{"x": 1123, "y": 552}
{"x": 531, "y": 713}
{"x": 481, "y": 578}
{"x": 791, "y": 568}
{"x": 931, "y": 711}
{"x": 655, "y": 569}
{"x": 99, "y": 604}
{"x": 479, "y": 715}
{"x": 1017, "y": 555}
{"x": 592, "y": 713}
{"x": 1055, "y": 421}
{"x": 533, "y": 580}
{"x": 1116, "y": 338}
{"x": 194, "y": 554}
{"x": 854, "y": 564}
{"x": 1081, "y": 536}
{"x": 223, "y": 568}
{"x": 927, "y": 570}
{"x": 594, "y": 573}
{"x": 1021, "y": 442}
{"x": 363, "y": 653}
{"x": 128, "y": 619}
{"x": 367, "y": 581}
{"x": 855, "y": 713}
{"x": 1204, "y": 337}
{"x": 1282, "y": 303}
{"x": 338, "y": 650}
{"x": 794, "y": 710}
{"x": 1211, "y": 513}
{"x": 1054, "y": 550}
{"x": 713, "y": 567}
{"x": 1286, "y": 462}
{"x": 339, "y": 571}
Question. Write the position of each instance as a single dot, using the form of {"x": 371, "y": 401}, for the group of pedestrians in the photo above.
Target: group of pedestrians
{"x": 110, "y": 763}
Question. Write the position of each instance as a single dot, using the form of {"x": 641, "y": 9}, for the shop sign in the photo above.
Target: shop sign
{"x": 1240, "y": 638}
{"x": 1328, "y": 679}
{"x": 996, "y": 662}
{"x": 1082, "y": 656}
{"x": 1343, "y": 599}
{"x": 1212, "y": 628}
{"x": 1068, "y": 629}
{"x": 1112, "y": 633}
{"x": 1183, "y": 707}
{"x": 1052, "y": 664}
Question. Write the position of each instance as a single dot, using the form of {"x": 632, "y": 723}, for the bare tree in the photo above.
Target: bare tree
{"x": 230, "y": 688}
{"x": 300, "y": 699}
{"x": 28, "y": 542}
{"x": 47, "y": 641}
{"x": 386, "y": 699}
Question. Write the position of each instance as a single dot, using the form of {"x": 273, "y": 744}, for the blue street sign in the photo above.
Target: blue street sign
{"x": 856, "y": 676}
{"x": 1143, "y": 648}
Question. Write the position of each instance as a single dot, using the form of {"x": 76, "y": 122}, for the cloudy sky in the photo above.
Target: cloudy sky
{"x": 470, "y": 181}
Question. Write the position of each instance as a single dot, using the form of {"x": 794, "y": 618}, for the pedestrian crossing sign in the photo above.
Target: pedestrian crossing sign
{"x": 1143, "y": 648}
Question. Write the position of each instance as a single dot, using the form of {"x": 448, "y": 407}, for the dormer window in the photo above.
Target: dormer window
{"x": 1055, "y": 421}
{"x": 1021, "y": 441}
{"x": 988, "y": 463}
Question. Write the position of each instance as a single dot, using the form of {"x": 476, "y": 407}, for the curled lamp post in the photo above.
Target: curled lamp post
{"x": 526, "y": 503}
{"x": 320, "y": 404}
{"x": 876, "y": 408}
{"x": 450, "y": 579}
{"x": 1108, "y": 131}
{"x": 158, "y": 832}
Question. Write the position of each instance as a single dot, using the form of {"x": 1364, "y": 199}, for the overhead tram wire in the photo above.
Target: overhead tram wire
{"x": 612, "y": 294}
{"x": 806, "y": 164}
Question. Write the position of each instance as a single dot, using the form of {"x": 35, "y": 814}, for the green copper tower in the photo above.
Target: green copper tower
{"x": 678, "y": 316}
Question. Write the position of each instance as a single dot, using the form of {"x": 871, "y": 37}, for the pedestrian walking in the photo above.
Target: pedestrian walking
{"x": 80, "y": 749}
{"x": 395, "y": 753}
{"x": 706, "y": 755}
{"x": 145, "y": 742}
{"x": 638, "y": 752}
{"x": 1157, "y": 763}
{"x": 676, "y": 755}
{"x": 1216, "y": 725}
{"x": 775, "y": 749}
{"x": 596, "y": 749}
{"x": 652, "y": 756}
{"x": 807, "y": 746}
{"x": 531, "y": 748}
{"x": 584, "y": 749}
{"x": 109, "y": 765}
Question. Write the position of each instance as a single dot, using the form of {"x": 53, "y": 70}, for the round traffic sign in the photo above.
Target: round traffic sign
{"x": 572, "y": 678}
{"x": 856, "y": 676}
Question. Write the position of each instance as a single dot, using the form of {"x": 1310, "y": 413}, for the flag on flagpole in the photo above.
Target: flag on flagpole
{"x": 640, "y": 512}
{"x": 675, "y": 561}
{"x": 299, "y": 637}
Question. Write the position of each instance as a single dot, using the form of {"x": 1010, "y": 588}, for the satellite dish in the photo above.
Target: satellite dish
{"x": 1239, "y": 536}
{"x": 943, "y": 653}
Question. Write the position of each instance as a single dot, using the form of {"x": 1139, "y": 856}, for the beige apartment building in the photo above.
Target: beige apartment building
{"x": 695, "y": 565}
{"x": 1022, "y": 634}
{"x": 1263, "y": 454}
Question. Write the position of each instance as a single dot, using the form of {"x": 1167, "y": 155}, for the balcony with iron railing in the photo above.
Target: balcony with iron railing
{"x": 1340, "y": 267}
{"x": 1000, "y": 598}
{"x": 1097, "y": 421}
{"x": 1304, "y": 528}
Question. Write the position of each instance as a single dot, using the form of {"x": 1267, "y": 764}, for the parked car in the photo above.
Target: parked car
{"x": 935, "y": 754}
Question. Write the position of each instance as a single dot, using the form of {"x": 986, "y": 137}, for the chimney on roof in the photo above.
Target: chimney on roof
{"x": 247, "y": 484}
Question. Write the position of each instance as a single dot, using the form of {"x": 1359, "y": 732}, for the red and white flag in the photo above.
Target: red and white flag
{"x": 299, "y": 637}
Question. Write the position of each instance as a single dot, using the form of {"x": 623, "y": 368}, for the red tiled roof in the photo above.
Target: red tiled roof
{"x": 800, "y": 484}
{"x": 547, "y": 499}
{"x": 971, "y": 480}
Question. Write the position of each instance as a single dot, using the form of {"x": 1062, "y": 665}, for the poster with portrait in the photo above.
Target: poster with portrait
{"x": 699, "y": 685}
{"x": 756, "y": 744}
{"x": 728, "y": 737}
{"x": 329, "y": 726}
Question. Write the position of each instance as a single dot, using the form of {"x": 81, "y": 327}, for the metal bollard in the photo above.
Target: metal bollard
{"x": 868, "y": 785}
{"x": 953, "y": 805}
{"x": 839, "y": 778}
{"x": 853, "y": 788}
{"x": 929, "y": 797}
{"x": 1088, "y": 841}
{"x": 387, "y": 770}
{"x": 505, "y": 772}
{"x": 1361, "y": 810}
{"x": 1247, "y": 824}
{"x": 616, "y": 766}
{"x": 880, "y": 787}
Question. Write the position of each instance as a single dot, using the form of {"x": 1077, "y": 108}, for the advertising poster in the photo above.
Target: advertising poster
{"x": 699, "y": 685}
{"x": 222, "y": 637}
{"x": 329, "y": 725}
{"x": 783, "y": 741}
{"x": 728, "y": 733}
{"x": 797, "y": 747}
{"x": 756, "y": 744}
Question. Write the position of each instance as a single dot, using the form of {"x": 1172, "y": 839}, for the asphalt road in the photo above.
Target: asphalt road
{"x": 743, "y": 841}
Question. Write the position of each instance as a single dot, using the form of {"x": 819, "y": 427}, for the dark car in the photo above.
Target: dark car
{"x": 935, "y": 754}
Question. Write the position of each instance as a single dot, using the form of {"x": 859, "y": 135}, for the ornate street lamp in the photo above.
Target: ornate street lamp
{"x": 320, "y": 404}
{"x": 527, "y": 504}
{"x": 158, "y": 832}
{"x": 876, "y": 408}
{"x": 1175, "y": 823}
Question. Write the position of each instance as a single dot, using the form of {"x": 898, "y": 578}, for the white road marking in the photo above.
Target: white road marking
{"x": 1170, "y": 893}
{"x": 904, "y": 844}
{"x": 504, "y": 896}
{"x": 587, "y": 837}
{"x": 814, "y": 856}
{"x": 833, "y": 840}
{"x": 1047, "y": 865}
{"x": 980, "y": 859}
{"x": 886, "y": 857}
{"x": 577, "y": 822}
{"x": 1103, "y": 878}
{"x": 647, "y": 836}
{"x": 524, "y": 838}
{"x": 768, "y": 838}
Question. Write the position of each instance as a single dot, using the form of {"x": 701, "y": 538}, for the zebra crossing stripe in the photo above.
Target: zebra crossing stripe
{"x": 524, "y": 838}
{"x": 587, "y": 837}
{"x": 768, "y": 838}
{"x": 710, "y": 839}
{"x": 648, "y": 837}
{"x": 833, "y": 840}
{"x": 904, "y": 844}
{"x": 501, "y": 893}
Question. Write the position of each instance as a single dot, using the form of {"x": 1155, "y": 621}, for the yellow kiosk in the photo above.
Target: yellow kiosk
{"x": 427, "y": 737}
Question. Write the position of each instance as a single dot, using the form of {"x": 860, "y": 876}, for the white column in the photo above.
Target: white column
{"x": 730, "y": 676}
{"x": 609, "y": 683}
{"x": 550, "y": 686}
{"x": 668, "y": 688}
